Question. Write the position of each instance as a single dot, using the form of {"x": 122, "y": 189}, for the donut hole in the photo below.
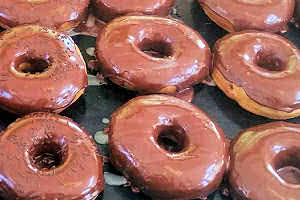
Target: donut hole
{"x": 48, "y": 153}
{"x": 269, "y": 61}
{"x": 33, "y": 65}
{"x": 172, "y": 139}
{"x": 287, "y": 165}
{"x": 156, "y": 48}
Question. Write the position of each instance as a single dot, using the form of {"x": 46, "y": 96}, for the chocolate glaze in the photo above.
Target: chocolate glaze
{"x": 237, "y": 57}
{"x": 79, "y": 176}
{"x": 110, "y": 9}
{"x": 90, "y": 27}
{"x": 49, "y": 13}
{"x": 267, "y": 15}
{"x": 53, "y": 90}
{"x": 186, "y": 94}
{"x": 119, "y": 51}
{"x": 262, "y": 159}
{"x": 193, "y": 172}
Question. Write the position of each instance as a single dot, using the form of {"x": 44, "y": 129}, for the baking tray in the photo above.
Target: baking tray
{"x": 100, "y": 101}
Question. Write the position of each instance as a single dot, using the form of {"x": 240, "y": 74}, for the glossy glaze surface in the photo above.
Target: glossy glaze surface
{"x": 186, "y": 94}
{"x": 193, "y": 172}
{"x": 236, "y": 57}
{"x": 49, "y": 13}
{"x": 78, "y": 177}
{"x": 255, "y": 156}
{"x": 267, "y": 15}
{"x": 123, "y": 61}
{"x": 53, "y": 90}
{"x": 110, "y": 9}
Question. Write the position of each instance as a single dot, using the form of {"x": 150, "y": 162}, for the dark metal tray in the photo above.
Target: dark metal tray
{"x": 100, "y": 101}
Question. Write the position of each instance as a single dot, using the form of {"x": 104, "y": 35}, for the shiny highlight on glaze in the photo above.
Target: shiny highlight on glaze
{"x": 54, "y": 89}
{"x": 61, "y": 15}
{"x": 122, "y": 60}
{"x": 193, "y": 169}
{"x": 78, "y": 176}
{"x": 110, "y": 9}
{"x": 239, "y": 15}
{"x": 265, "y": 162}
{"x": 237, "y": 56}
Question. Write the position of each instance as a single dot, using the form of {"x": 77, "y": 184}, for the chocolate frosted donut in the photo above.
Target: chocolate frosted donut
{"x": 260, "y": 71}
{"x": 110, "y": 9}
{"x": 167, "y": 148}
{"x": 152, "y": 54}
{"x": 40, "y": 70}
{"x": 61, "y": 15}
{"x": 265, "y": 162}
{"x": 46, "y": 156}
{"x": 238, "y": 15}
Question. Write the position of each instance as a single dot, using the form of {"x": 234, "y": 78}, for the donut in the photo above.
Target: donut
{"x": 40, "y": 70}
{"x": 265, "y": 162}
{"x": 167, "y": 148}
{"x": 152, "y": 54}
{"x": 239, "y": 15}
{"x": 110, "y": 9}
{"x": 47, "y": 156}
{"x": 260, "y": 71}
{"x": 61, "y": 15}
